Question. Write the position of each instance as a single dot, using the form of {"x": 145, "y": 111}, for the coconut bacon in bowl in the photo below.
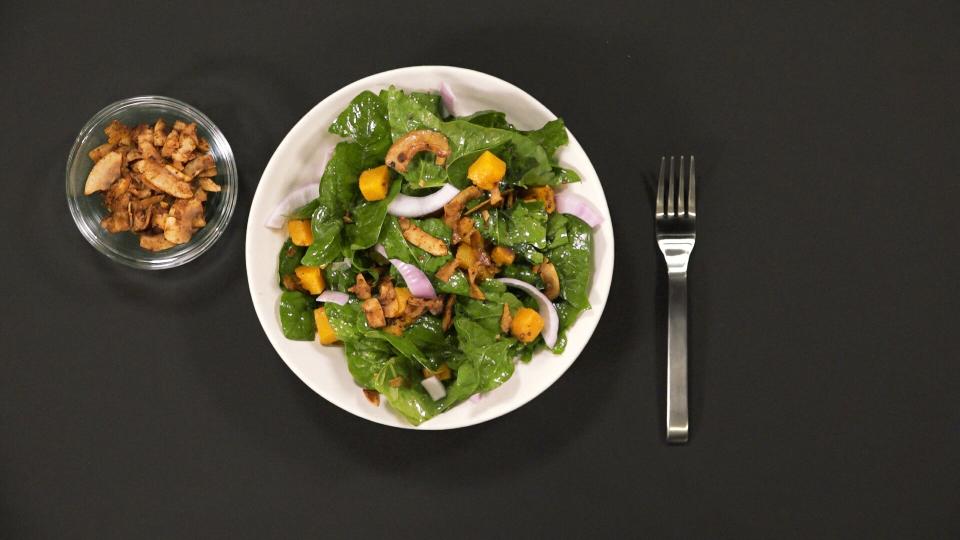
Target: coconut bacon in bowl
{"x": 437, "y": 249}
{"x": 155, "y": 181}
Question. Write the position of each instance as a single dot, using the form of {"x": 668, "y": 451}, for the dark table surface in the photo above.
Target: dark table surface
{"x": 824, "y": 296}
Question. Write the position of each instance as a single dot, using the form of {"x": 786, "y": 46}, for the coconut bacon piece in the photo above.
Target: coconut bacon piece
{"x": 374, "y": 313}
{"x": 411, "y": 144}
{"x": 423, "y": 240}
{"x": 157, "y": 176}
{"x": 104, "y": 173}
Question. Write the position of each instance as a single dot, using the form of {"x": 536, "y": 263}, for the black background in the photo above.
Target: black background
{"x": 823, "y": 296}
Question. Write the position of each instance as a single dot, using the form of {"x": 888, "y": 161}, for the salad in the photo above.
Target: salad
{"x": 437, "y": 249}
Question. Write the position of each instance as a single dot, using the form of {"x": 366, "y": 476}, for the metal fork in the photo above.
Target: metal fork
{"x": 676, "y": 234}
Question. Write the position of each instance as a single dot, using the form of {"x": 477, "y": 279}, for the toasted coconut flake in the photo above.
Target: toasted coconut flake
{"x": 551, "y": 280}
{"x": 158, "y": 177}
{"x": 506, "y": 319}
{"x": 197, "y": 165}
{"x": 159, "y": 133}
{"x": 203, "y": 145}
{"x": 401, "y": 153}
{"x": 388, "y": 300}
{"x": 179, "y": 225}
{"x": 372, "y": 396}
{"x": 448, "y": 311}
{"x": 475, "y": 291}
{"x": 155, "y": 242}
{"x": 496, "y": 198}
{"x": 170, "y": 144}
{"x": 118, "y": 134}
{"x": 423, "y": 240}
{"x": 374, "y": 313}
{"x": 97, "y": 153}
{"x": 362, "y": 289}
{"x": 453, "y": 209}
{"x": 446, "y": 271}
{"x": 104, "y": 173}
{"x": 208, "y": 173}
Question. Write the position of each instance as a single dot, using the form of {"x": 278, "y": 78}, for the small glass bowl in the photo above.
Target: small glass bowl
{"x": 88, "y": 210}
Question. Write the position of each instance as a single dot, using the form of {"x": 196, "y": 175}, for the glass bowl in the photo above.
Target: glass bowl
{"x": 88, "y": 210}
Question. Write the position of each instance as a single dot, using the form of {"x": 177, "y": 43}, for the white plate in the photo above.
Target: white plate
{"x": 297, "y": 161}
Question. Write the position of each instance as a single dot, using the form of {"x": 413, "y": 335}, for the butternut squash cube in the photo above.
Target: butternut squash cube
{"x": 374, "y": 183}
{"x": 300, "y": 233}
{"x": 324, "y": 330}
{"x": 502, "y": 255}
{"x": 403, "y": 294}
{"x": 311, "y": 278}
{"x": 526, "y": 325}
{"x": 466, "y": 256}
{"x": 487, "y": 171}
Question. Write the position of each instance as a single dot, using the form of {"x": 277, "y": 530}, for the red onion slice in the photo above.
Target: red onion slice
{"x": 295, "y": 199}
{"x": 335, "y": 297}
{"x": 434, "y": 387}
{"x": 409, "y": 206}
{"x": 418, "y": 282}
{"x": 448, "y": 98}
{"x": 551, "y": 321}
{"x": 571, "y": 203}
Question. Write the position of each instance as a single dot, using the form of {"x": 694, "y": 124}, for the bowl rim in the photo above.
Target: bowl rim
{"x": 603, "y": 269}
{"x": 219, "y": 222}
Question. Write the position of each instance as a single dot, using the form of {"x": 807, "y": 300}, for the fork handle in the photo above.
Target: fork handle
{"x": 678, "y": 422}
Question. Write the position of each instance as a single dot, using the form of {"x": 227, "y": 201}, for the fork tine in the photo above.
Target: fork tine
{"x": 671, "y": 198}
{"x": 663, "y": 162}
{"x": 681, "y": 197}
{"x": 692, "y": 197}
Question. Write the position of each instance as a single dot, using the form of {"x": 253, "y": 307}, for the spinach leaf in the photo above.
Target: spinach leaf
{"x": 296, "y": 315}
{"x": 423, "y": 172}
{"x": 348, "y": 320}
{"x": 523, "y": 225}
{"x": 427, "y": 335}
{"x": 487, "y": 313}
{"x": 490, "y": 119}
{"x": 523, "y": 272}
{"x": 338, "y": 185}
{"x": 368, "y": 219}
{"x": 365, "y": 359}
{"x": 326, "y": 246}
{"x": 465, "y": 385}
{"x": 574, "y": 262}
{"x": 566, "y": 176}
{"x": 340, "y": 276}
{"x": 429, "y": 102}
{"x": 288, "y": 260}
{"x": 397, "y": 246}
{"x": 492, "y": 356}
{"x": 457, "y": 284}
{"x": 404, "y": 346}
{"x": 550, "y": 137}
{"x": 407, "y": 112}
{"x": 365, "y": 121}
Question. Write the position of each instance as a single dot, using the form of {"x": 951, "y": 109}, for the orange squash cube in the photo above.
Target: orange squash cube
{"x": 502, "y": 255}
{"x": 374, "y": 183}
{"x": 527, "y": 325}
{"x": 311, "y": 278}
{"x": 487, "y": 171}
{"x": 324, "y": 330}
{"x": 403, "y": 294}
{"x": 300, "y": 232}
